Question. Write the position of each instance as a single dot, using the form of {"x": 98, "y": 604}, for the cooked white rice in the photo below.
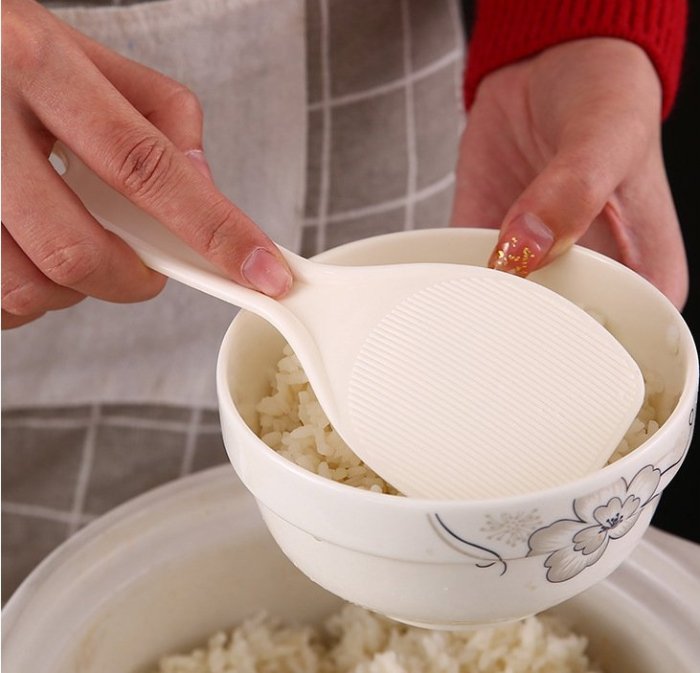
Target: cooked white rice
{"x": 292, "y": 422}
{"x": 357, "y": 641}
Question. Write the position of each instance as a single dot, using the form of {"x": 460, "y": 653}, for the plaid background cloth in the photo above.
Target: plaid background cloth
{"x": 385, "y": 115}
{"x": 63, "y": 467}
{"x": 396, "y": 68}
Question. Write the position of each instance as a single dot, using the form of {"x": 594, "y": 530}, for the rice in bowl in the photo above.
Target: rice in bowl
{"x": 292, "y": 422}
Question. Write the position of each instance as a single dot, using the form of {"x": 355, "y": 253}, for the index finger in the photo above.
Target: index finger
{"x": 136, "y": 159}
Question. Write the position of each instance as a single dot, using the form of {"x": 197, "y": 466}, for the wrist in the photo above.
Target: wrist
{"x": 590, "y": 75}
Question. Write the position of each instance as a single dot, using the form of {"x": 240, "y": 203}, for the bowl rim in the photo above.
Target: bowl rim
{"x": 583, "y": 485}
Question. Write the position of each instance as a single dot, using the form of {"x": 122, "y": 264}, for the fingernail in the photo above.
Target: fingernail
{"x": 197, "y": 158}
{"x": 266, "y": 273}
{"x": 522, "y": 246}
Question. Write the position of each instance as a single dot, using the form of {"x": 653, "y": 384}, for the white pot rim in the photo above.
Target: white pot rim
{"x": 661, "y": 579}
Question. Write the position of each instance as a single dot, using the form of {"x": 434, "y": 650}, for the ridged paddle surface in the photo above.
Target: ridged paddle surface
{"x": 453, "y": 399}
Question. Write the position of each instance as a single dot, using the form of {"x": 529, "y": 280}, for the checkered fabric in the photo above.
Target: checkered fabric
{"x": 385, "y": 114}
{"x": 62, "y": 467}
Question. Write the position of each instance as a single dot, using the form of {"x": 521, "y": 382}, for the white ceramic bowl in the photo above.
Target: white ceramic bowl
{"x": 453, "y": 563}
{"x": 161, "y": 573}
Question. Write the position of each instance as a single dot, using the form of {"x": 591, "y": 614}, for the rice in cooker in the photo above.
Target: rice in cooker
{"x": 355, "y": 640}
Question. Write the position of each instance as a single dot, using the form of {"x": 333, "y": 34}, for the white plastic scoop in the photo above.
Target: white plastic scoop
{"x": 450, "y": 381}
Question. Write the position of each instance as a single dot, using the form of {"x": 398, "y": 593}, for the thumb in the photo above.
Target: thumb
{"x": 556, "y": 209}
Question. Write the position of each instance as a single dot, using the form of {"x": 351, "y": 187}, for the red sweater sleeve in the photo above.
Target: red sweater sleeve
{"x": 508, "y": 30}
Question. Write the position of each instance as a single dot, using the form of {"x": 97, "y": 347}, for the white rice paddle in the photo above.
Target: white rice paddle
{"x": 450, "y": 381}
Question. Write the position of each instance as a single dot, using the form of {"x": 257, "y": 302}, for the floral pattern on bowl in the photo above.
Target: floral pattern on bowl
{"x": 572, "y": 544}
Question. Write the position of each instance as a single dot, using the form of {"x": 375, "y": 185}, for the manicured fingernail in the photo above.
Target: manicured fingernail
{"x": 266, "y": 273}
{"x": 197, "y": 158}
{"x": 522, "y": 245}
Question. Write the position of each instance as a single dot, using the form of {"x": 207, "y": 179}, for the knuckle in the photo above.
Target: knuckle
{"x": 144, "y": 167}
{"x": 72, "y": 264}
{"x": 22, "y": 297}
{"x": 25, "y": 45}
{"x": 584, "y": 184}
{"x": 153, "y": 289}
{"x": 219, "y": 232}
{"x": 588, "y": 193}
{"x": 639, "y": 131}
{"x": 10, "y": 321}
{"x": 184, "y": 101}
